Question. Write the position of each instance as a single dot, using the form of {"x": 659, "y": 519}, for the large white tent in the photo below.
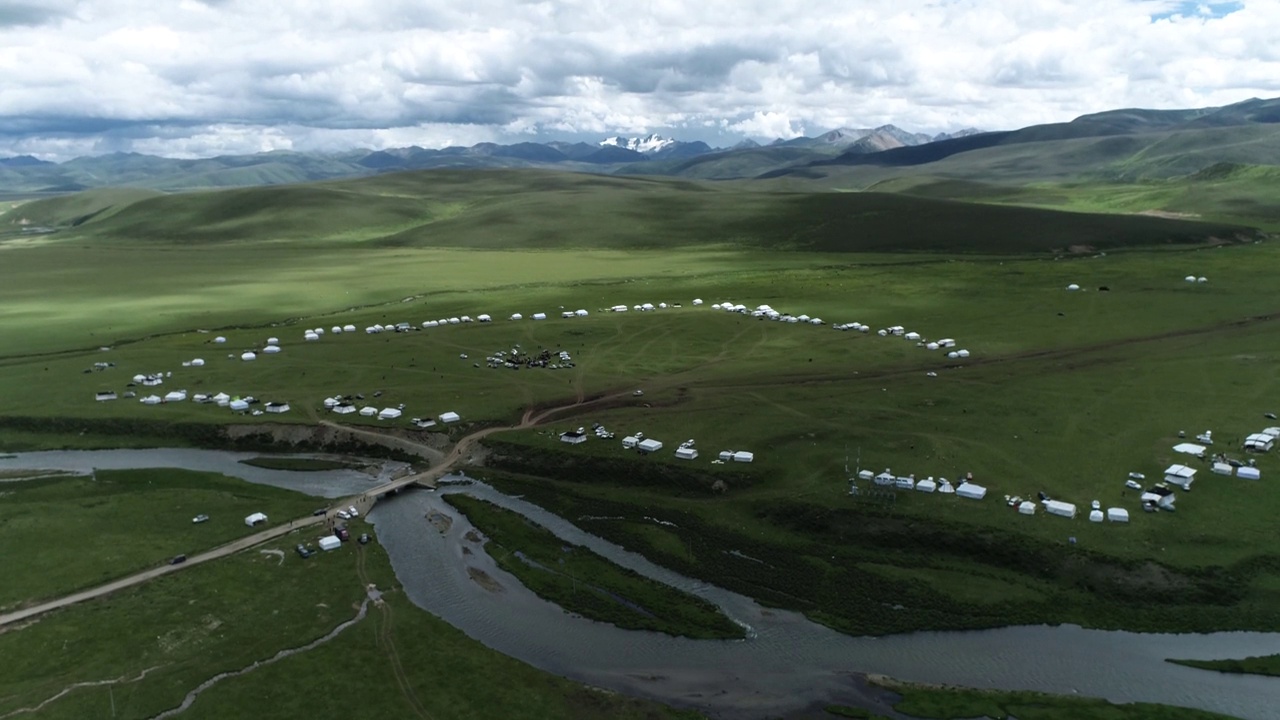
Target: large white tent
{"x": 1249, "y": 473}
{"x": 1180, "y": 475}
{"x": 1062, "y": 509}
{"x": 971, "y": 491}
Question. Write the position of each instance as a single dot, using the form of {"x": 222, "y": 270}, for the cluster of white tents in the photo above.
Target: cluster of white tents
{"x": 1195, "y": 279}
{"x": 966, "y": 488}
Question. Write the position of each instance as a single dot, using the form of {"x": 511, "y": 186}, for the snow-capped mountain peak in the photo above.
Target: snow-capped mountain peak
{"x": 648, "y": 144}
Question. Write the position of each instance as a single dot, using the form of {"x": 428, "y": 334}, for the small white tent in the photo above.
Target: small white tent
{"x": 310, "y": 336}
{"x": 1221, "y": 468}
{"x": 539, "y": 316}
{"x": 516, "y": 316}
{"x": 238, "y": 405}
{"x": 368, "y": 411}
{"x": 743, "y": 456}
{"x": 176, "y": 396}
{"x": 649, "y": 445}
{"x": 697, "y": 301}
{"x": 271, "y": 349}
{"x": 1027, "y": 507}
{"x": 198, "y": 362}
{"x": 630, "y": 441}
{"x": 348, "y": 328}
{"x": 1073, "y": 287}
{"x": 926, "y": 486}
{"x": 255, "y": 519}
{"x": 687, "y": 453}
{"x": 330, "y": 542}
{"x": 1249, "y": 473}
{"x": 450, "y": 417}
{"x": 1190, "y": 278}
{"x": 219, "y": 340}
{"x": 1095, "y": 516}
{"x": 389, "y": 414}
{"x": 248, "y": 356}
{"x": 275, "y": 341}
{"x": 1117, "y": 515}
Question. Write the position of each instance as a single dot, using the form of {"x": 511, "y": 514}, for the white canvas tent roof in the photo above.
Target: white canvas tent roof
{"x": 1221, "y": 468}
{"x": 971, "y": 491}
{"x": 1027, "y": 507}
{"x": 369, "y": 411}
{"x": 389, "y": 414}
{"x": 330, "y": 542}
{"x": 743, "y": 456}
{"x": 1095, "y": 516}
{"x": 450, "y": 417}
{"x": 255, "y": 518}
{"x": 650, "y": 445}
{"x": 1062, "y": 509}
{"x": 926, "y": 486}
{"x": 1117, "y": 515}
{"x": 239, "y": 405}
{"x": 1249, "y": 473}
{"x": 1189, "y": 448}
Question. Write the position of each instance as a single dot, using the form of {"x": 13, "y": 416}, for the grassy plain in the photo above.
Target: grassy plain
{"x": 164, "y": 638}
{"x": 69, "y": 533}
{"x": 581, "y": 581}
{"x": 1065, "y": 393}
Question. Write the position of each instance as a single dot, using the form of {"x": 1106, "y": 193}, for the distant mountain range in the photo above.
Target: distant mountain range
{"x": 615, "y": 154}
{"x": 1117, "y": 145}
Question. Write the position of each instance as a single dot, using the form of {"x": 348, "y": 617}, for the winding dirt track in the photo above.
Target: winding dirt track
{"x": 531, "y": 418}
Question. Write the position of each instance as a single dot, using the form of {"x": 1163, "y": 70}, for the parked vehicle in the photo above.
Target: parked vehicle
{"x": 364, "y": 538}
{"x": 354, "y": 512}
{"x": 200, "y": 518}
{"x": 178, "y": 559}
{"x": 343, "y": 534}
{"x": 319, "y": 511}
{"x": 344, "y": 514}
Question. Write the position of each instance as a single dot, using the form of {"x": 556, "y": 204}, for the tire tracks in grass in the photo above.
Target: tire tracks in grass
{"x": 385, "y": 640}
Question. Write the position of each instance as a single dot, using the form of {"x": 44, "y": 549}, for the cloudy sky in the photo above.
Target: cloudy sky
{"x": 202, "y": 77}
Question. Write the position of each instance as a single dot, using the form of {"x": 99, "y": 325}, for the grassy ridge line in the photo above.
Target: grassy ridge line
{"x": 581, "y": 581}
{"x": 1258, "y": 665}
{"x": 655, "y": 214}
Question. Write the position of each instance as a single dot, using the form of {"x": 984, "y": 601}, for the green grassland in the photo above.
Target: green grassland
{"x": 164, "y": 638}
{"x": 948, "y": 703}
{"x": 69, "y": 533}
{"x": 299, "y": 464}
{"x": 583, "y": 582}
{"x": 1264, "y": 665}
{"x": 1065, "y": 393}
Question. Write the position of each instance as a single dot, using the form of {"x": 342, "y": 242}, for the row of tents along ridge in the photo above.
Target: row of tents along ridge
{"x": 687, "y": 450}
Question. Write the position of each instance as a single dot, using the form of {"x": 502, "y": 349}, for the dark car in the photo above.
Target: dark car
{"x": 319, "y": 511}
{"x": 302, "y": 551}
{"x": 178, "y": 559}
{"x": 364, "y": 538}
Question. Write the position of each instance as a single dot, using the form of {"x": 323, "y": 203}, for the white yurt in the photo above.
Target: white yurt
{"x": 219, "y": 340}
{"x": 249, "y": 356}
{"x": 273, "y": 341}
{"x": 1202, "y": 279}
{"x": 336, "y": 330}
{"x": 310, "y": 336}
{"x": 198, "y": 362}
{"x": 348, "y": 328}
{"x": 1095, "y": 516}
{"x": 1073, "y": 287}
{"x": 1190, "y": 278}
{"x": 580, "y": 313}
{"x": 697, "y": 301}
{"x": 271, "y": 349}
{"x": 517, "y": 316}
{"x": 369, "y": 411}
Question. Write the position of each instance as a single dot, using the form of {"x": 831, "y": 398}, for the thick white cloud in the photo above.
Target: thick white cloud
{"x": 193, "y": 77}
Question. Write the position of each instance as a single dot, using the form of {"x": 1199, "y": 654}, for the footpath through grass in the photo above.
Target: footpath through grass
{"x": 581, "y": 581}
{"x": 1261, "y": 665}
{"x": 68, "y": 533}
{"x": 163, "y": 639}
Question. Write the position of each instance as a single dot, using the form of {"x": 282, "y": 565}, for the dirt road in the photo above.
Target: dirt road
{"x": 445, "y": 464}
{"x": 125, "y": 582}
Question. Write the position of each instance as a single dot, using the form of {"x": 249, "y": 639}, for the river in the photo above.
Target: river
{"x": 786, "y": 664}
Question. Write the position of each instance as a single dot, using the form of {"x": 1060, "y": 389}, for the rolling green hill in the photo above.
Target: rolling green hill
{"x": 541, "y": 210}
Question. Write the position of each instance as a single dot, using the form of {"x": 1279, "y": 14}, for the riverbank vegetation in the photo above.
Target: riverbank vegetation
{"x": 300, "y": 464}
{"x": 945, "y": 703}
{"x": 68, "y": 533}
{"x": 1258, "y": 665}
{"x": 583, "y": 582}
{"x": 138, "y": 652}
